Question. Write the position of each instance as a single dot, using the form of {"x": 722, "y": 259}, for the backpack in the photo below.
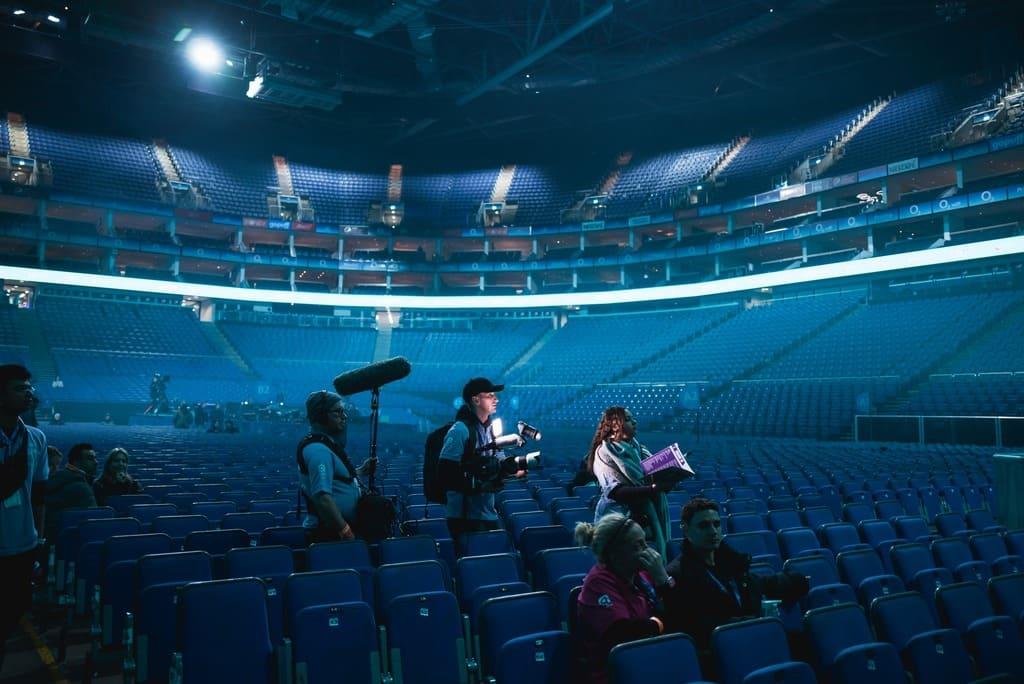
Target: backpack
{"x": 432, "y": 488}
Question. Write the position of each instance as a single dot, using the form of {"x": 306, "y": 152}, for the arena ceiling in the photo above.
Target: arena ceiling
{"x": 478, "y": 79}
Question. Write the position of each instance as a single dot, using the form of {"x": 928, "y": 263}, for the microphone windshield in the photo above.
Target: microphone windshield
{"x": 372, "y": 376}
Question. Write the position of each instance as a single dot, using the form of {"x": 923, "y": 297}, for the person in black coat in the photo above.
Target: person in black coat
{"x": 713, "y": 582}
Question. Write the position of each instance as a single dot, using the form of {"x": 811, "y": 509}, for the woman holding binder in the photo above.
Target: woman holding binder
{"x": 615, "y": 460}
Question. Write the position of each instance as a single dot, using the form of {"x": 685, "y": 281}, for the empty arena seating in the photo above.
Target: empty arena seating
{"x": 338, "y": 196}
{"x": 904, "y": 127}
{"x": 231, "y": 185}
{"x": 646, "y": 181}
{"x": 95, "y": 166}
{"x": 540, "y": 195}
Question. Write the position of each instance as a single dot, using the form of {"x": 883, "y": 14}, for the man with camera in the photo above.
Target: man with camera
{"x": 328, "y": 481}
{"x": 470, "y": 502}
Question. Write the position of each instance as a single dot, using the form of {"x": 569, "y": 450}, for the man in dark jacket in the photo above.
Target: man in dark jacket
{"x": 70, "y": 488}
{"x": 714, "y": 585}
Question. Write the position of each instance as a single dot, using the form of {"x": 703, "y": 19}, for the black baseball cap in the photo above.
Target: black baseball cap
{"x": 478, "y": 385}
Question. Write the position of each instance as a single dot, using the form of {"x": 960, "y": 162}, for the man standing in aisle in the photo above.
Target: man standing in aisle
{"x": 469, "y": 509}
{"x": 23, "y": 472}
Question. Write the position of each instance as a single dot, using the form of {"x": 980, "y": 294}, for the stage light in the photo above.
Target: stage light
{"x": 52, "y": 19}
{"x": 18, "y": 12}
{"x": 204, "y": 54}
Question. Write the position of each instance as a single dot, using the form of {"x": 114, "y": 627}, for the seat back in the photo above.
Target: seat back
{"x": 819, "y": 569}
{"x": 476, "y": 571}
{"x": 742, "y": 647}
{"x": 407, "y": 549}
{"x": 507, "y": 617}
{"x": 857, "y": 566}
{"x": 910, "y": 559}
{"x": 272, "y": 564}
{"x": 336, "y": 641}
{"x": 339, "y": 555}
{"x": 252, "y": 523}
{"x": 216, "y": 542}
{"x": 949, "y": 524}
{"x": 874, "y": 532}
{"x": 418, "y": 577}
{"x": 486, "y": 543}
{"x": 873, "y": 662}
{"x": 224, "y": 634}
{"x": 1007, "y": 594}
{"x": 214, "y": 510}
{"x": 538, "y": 658}
{"x": 783, "y": 519}
{"x": 840, "y": 536}
{"x": 179, "y": 526}
{"x": 793, "y": 542}
{"x": 898, "y": 618}
{"x": 988, "y": 547}
{"x": 305, "y": 589}
{"x": 425, "y": 639}
{"x": 939, "y": 656}
{"x": 745, "y": 522}
{"x": 550, "y": 565}
{"x": 816, "y": 516}
{"x": 834, "y": 628}
{"x": 961, "y": 604}
{"x": 647, "y": 660}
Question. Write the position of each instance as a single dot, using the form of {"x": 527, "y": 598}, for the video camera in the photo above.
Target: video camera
{"x": 488, "y": 469}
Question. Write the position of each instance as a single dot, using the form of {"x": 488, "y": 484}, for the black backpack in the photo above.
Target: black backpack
{"x": 432, "y": 488}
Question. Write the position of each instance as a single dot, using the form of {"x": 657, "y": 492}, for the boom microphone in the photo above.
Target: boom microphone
{"x": 372, "y": 376}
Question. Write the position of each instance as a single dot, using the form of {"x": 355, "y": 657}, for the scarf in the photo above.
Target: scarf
{"x": 626, "y": 457}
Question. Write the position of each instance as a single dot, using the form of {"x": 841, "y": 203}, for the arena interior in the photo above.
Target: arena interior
{"x": 784, "y": 234}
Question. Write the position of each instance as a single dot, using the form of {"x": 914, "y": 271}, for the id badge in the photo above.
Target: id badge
{"x": 14, "y": 500}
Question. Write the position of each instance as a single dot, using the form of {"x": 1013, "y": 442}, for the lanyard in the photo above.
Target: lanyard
{"x": 13, "y": 443}
{"x": 721, "y": 587}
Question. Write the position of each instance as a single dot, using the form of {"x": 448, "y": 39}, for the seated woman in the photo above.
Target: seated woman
{"x": 115, "y": 479}
{"x": 620, "y": 597}
{"x": 614, "y": 459}
{"x": 713, "y": 582}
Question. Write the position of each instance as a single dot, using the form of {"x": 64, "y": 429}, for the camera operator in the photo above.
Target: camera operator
{"x": 327, "y": 480}
{"x": 470, "y": 507}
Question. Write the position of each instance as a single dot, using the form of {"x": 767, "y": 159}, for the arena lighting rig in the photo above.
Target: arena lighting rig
{"x": 883, "y": 264}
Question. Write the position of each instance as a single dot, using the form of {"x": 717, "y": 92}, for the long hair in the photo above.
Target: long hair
{"x": 605, "y": 429}
{"x": 109, "y": 461}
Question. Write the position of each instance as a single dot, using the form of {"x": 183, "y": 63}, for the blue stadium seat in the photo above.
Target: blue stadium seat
{"x": 954, "y": 554}
{"x": 993, "y": 639}
{"x": 145, "y": 513}
{"x": 781, "y": 519}
{"x": 305, "y": 589}
{"x": 118, "y": 561}
{"x": 952, "y": 525}
{"x": 738, "y": 523}
{"x": 538, "y": 658}
{"x": 647, "y": 660}
{"x": 874, "y": 662}
{"x": 273, "y": 565}
{"x": 536, "y": 539}
{"x": 91, "y": 536}
{"x": 122, "y": 503}
{"x": 336, "y": 641}
{"x": 517, "y": 522}
{"x": 407, "y": 549}
{"x": 835, "y": 629}
{"x": 745, "y": 647}
{"x": 939, "y": 656}
{"x": 159, "y": 577}
{"x": 550, "y": 565}
{"x": 486, "y": 543}
{"x": 223, "y": 632}
{"x": 179, "y": 526}
{"x": 1007, "y": 594}
{"x": 913, "y": 564}
{"x": 408, "y": 578}
{"x": 507, "y": 617}
{"x": 840, "y": 537}
{"x": 817, "y": 516}
{"x": 426, "y": 644}
{"x": 474, "y": 572}
{"x": 990, "y": 548}
{"x": 214, "y": 510}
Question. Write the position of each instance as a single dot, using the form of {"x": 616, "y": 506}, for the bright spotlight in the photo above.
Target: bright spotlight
{"x": 52, "y": 19}
{"x": 204, "y": 54}
{"x": 18, "y": 12}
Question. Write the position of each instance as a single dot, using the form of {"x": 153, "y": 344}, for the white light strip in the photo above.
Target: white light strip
{"x": 930, "y": 257}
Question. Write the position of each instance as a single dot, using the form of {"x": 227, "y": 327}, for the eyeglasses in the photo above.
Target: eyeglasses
{"x": 488, "y": 395}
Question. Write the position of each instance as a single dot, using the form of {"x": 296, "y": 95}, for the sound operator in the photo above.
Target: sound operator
{"x": 469, "y": 508}
{"x": 328, "y": 482}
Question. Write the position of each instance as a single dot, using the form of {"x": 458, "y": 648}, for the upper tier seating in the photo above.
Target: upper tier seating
{"x": 645, "y": 181}
{"x": 234, "y": 186}
{"x": 338, "y": 196}
{"x": 97, "y": 166}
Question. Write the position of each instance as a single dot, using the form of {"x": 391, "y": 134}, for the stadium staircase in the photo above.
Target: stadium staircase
{"x": 395, "y": 183}
{"x": 382, "y": 344}
{"x": 815, "y": 167}
{"x": 723, "y": 162}
{"x": 503, "y": 182}
{"x": 18, "y": 134}
{"x": 531, "y": 352}
{"x": 44, "y": 367}
{"x": 995, "y": 114}
{"x": 222, "y": 345}
{"x": 912, "y": 385}
{"x": 166, "y": 162}
{"x": 284, "y": 175}
{"x": 612, "y": 179}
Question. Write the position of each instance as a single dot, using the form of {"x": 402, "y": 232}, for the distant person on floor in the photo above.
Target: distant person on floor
{"x": 115, "y": 479}
{"x": 230, "y": 428}
{"x": 327, "y": 480}
{"x": 183, "y": 419}
{"x": 57, "y": 383}
{"x": 714, "y": 585}
{"x": 57, "y": 419}
{"x": 614, "y": 459}
{"x": 23, "y": 475}
{"x": 54, "y": 457}
{"x": 621, "y": 597}
{"x": 71, "y": 487}
{"x": 108, "y": 419}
